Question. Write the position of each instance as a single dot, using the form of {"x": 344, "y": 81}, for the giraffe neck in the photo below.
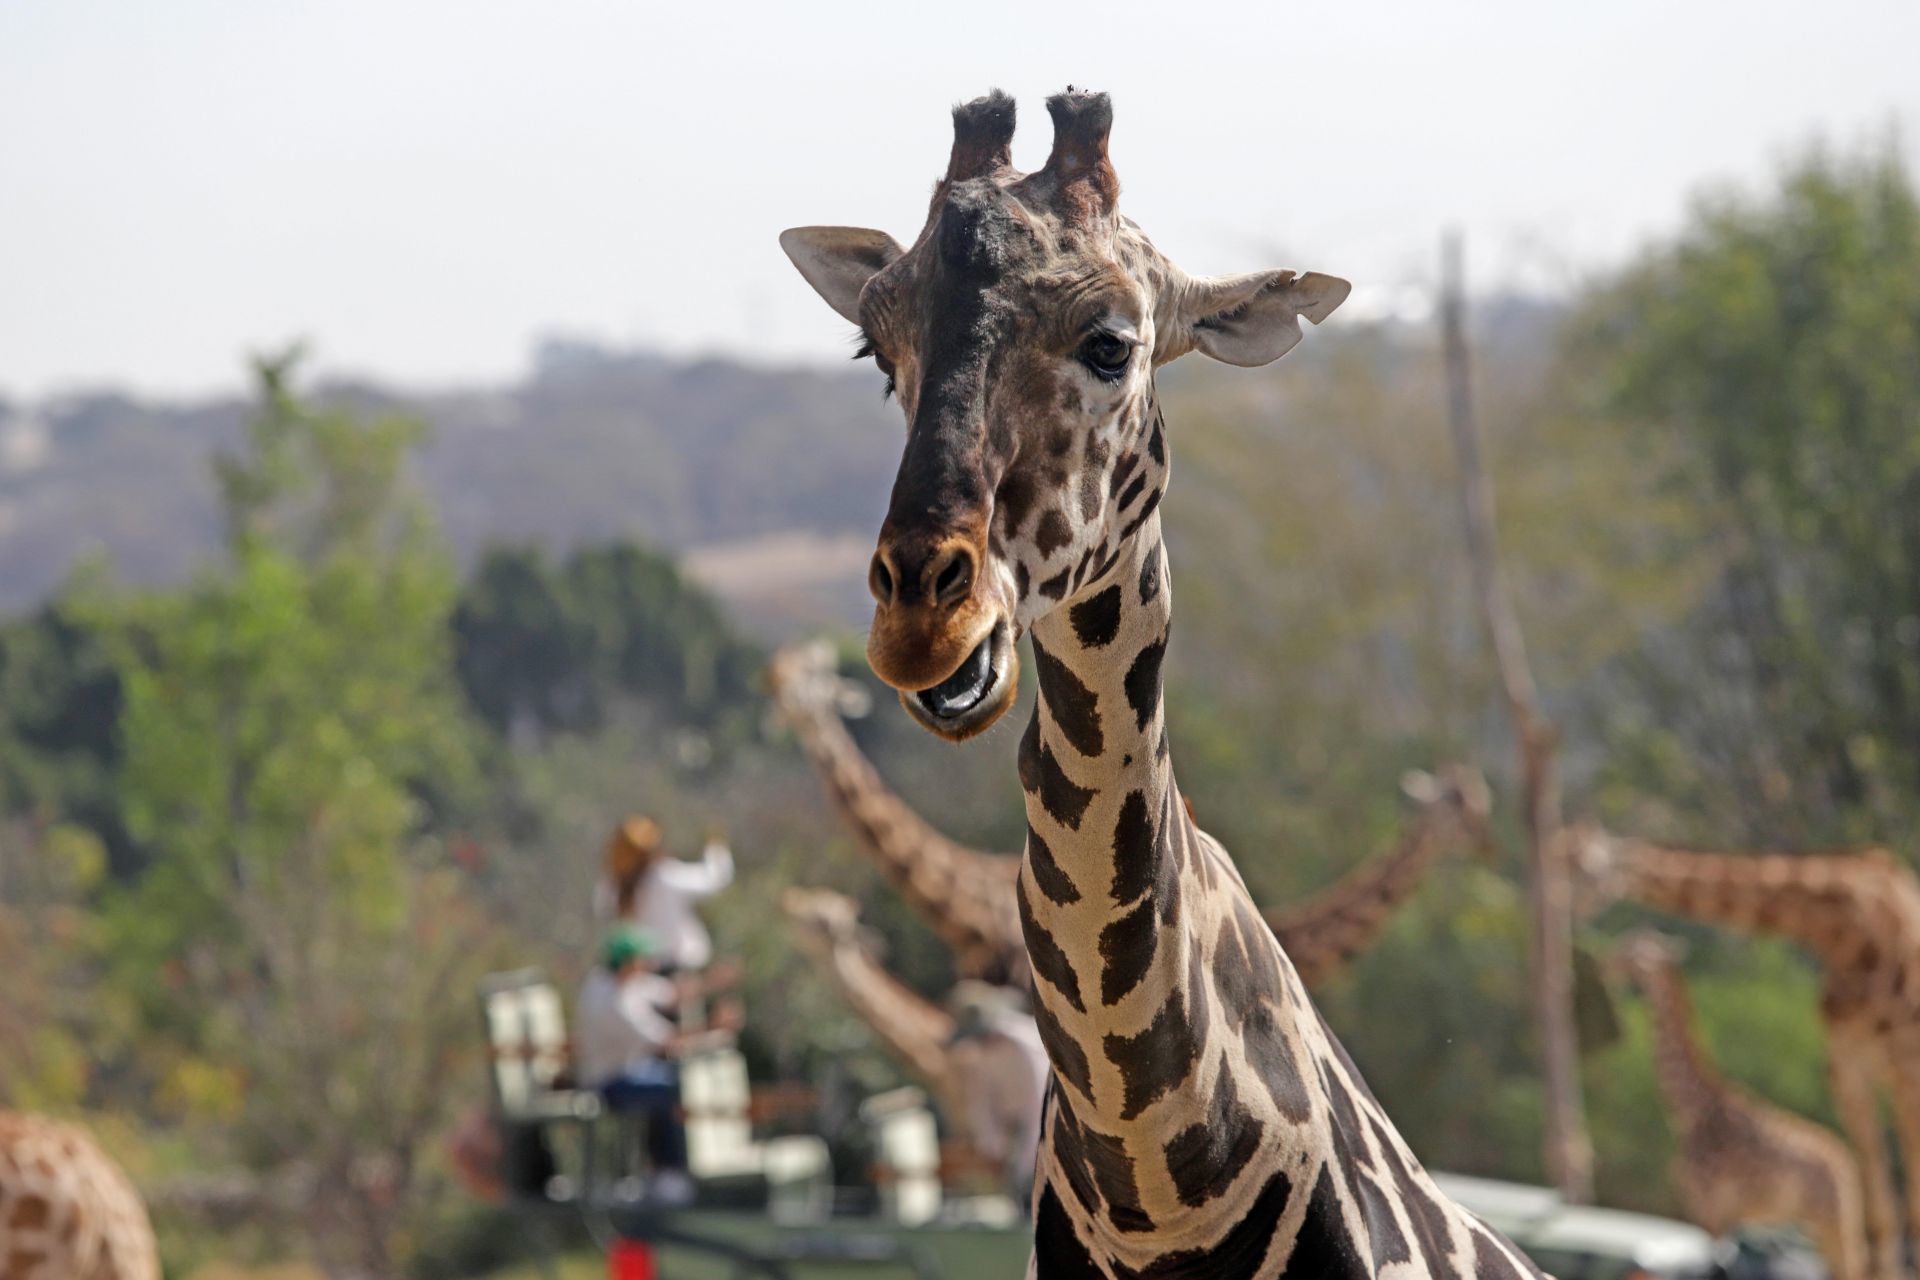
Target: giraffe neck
{"x": 913, "y": 1029}
{"x": 1203, "y": 1120}
{"x": 66, "y": 1209}
{"x": 1324, "y": 933}
{"x": 934, "y": 875}
{"x": 1100, "y": 890}
{"x": 1688, "y": 1081}
{"x": 897, "y": 837}
{"x": 1812, "y": 899}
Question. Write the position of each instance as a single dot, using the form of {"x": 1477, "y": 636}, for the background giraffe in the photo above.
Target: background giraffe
{"x": 67, "y": 1212}
{"x": 964, "y": 895}
{"x": 1203, "y": 1120}
{"x": 1741, "y": 1160}
{"x": 1325, "y": 933}
{"x": 1858, "y": 912}
{"x": 915, "y": 1030}
{"x": 980, "y": 919}
{"x": 972, "y": 1094}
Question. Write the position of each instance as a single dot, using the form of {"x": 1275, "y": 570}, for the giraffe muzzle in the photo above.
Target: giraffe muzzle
{"x": 978, "y": 692}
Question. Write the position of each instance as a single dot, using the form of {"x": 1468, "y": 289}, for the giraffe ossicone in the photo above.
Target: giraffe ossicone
{"x": 1202, "y": 1119}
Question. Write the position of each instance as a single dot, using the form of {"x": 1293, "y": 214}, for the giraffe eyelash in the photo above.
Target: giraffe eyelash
{"x": 867, "y": 348}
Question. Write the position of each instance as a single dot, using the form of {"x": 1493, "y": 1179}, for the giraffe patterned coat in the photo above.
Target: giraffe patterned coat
{"x": 1202, "y": 1120}
{"x": 67, "y": 1212}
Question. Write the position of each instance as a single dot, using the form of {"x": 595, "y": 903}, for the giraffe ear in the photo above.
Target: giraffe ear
{"x": 1252, "y": 319}
{"x": 838, "y": 261}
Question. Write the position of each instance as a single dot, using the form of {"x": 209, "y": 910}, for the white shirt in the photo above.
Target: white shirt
{"x": 663, "y": 903}
{"x": 620, "y": 1024}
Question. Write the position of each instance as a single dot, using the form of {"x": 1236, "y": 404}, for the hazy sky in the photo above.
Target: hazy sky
{"x": 423, "y": 186}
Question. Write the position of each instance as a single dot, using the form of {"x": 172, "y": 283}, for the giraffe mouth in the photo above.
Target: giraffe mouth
{"x": 976, "y": 694}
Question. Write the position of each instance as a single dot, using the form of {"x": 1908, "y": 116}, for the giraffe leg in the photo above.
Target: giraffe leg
{"x": 1842, "y": 1245}
{"x": 1842, "y": 1234}
{"x": 1832, "y": 1246}
{"x": 1859, "y": 1109}
{"x": 1698, "y": 1197}
{"x": 1906, "y": 1118}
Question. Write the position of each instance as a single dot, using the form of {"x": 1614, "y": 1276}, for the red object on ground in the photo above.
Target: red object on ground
{"x": 631, "y": 1260}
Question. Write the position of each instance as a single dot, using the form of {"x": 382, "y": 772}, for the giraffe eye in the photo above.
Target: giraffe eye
{"x": 1107, "y": 354}
{"x": 869, "y": 348}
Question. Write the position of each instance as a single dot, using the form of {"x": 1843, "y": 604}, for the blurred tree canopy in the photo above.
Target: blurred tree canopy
{"x": 282, "y": 716}
{"x": 556, "y": 649}
{"x": 1778, "y": 345}
{"x": 60, "y": 704}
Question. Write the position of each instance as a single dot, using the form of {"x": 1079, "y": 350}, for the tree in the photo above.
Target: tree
{"x": 519, "y": 661}
{"x": 1568, "y": 1148}
{"x": 59, "y": 716}
{"x": 1770, "y": 362}
{"x": 553, "y": 650}
{"x": 301, "y": 950}
{"x": 53, "y": 1028}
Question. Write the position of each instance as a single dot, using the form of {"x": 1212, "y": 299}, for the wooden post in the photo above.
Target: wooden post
{"x": 1569, "y": 1152}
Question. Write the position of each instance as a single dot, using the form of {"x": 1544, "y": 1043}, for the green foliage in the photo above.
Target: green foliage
{"x": 277, "y": 722}
{"x": 281, "y": 717}
{"x": 1454, "y": 1063}
{"x": 557, "y": 649}
{"x": 1771, "y": 361}
{"x": 60, "y": 702}
{"x": 319, "y": 482}
{"x": 55, "y": 1035}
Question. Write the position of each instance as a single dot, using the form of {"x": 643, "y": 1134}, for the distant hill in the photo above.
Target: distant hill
{"x": 771, "y": 483}
{"x": 595, "y": 445}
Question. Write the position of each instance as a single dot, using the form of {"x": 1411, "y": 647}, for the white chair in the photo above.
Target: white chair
{"x": 526, "y": 1029}
{"x": 715, "y": 1096}
{"x": 908, "y": 1143}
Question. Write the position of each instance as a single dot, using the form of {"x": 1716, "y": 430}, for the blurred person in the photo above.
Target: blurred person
{"x": 627, "y": 1043}
{"x": 644, "y": 887}
{"x": 1005, "y": 1079}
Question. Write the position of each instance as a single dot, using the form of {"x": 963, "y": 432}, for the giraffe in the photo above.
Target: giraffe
{"x": 967, "y": 895}
{"x": 1742, "y": 1160}
{"x": 964, "y": 895}
{"x": 918, "y": 1033}
{"x": 914, "y": 1030}
{"x": 1858, "y": 912}
{"x": 67, "y": 1212}
{"x": 1203, "y": 1120}
{"x": 1323, "y": 934}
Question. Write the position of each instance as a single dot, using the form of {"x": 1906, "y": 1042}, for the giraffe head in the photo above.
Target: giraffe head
{"x": 1461, "y": 792}
{"x": 805, "y": 678}
{"x": 1593, "y": 858}
{"x": 1020, "y": 331}
{"x": 1644, "y": 958}
{"x": 823, "y": 921}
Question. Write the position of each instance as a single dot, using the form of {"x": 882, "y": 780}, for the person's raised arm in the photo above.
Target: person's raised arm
{"x": 701, "y": 879}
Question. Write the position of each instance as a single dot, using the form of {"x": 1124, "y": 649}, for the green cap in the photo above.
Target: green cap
{"x": 626, "y": 944}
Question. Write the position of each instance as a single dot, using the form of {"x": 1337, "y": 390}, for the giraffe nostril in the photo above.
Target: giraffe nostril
{"x": 952, "y": 574}
{"x": 880, "y": 581}
{"x": 951, "y": 577}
